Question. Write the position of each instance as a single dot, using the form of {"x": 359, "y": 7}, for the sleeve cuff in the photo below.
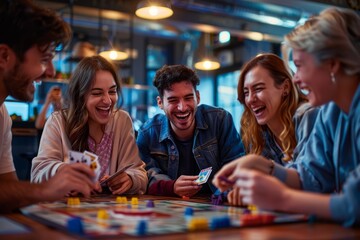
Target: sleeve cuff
{"x": 340, "y": 210}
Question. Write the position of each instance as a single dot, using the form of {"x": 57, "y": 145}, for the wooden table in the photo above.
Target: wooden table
{"x": 318, "y": 230}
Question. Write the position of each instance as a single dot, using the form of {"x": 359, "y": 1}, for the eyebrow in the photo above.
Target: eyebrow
{"x": 256, "y": 85}
{"x": 188, "y": 95}
{"x": 114, "y": 86}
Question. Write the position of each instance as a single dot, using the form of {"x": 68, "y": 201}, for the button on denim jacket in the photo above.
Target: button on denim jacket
{"x": 216, "y": 142}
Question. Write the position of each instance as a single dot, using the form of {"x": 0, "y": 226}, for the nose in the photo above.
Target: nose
{"x": 251, "y": 97}
{"x": 106, "y": 98}
{"x": 181, "y": 105}
{"x": 49, "y": 70}
{"x": 296, "y": 79}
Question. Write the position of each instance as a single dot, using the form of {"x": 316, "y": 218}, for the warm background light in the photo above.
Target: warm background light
{"x": 153, "y": 10}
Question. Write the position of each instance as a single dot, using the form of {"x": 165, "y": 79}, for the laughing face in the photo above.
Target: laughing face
{"x": 262, "y": 97}
{"x": 37, "y": 65}
{"x": 313, "y": 78}
{"x": 102, "y": 98}
{"x": 180, "y": 104}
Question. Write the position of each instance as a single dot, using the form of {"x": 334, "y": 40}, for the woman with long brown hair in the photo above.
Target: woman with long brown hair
{"x": 93, "y": 123}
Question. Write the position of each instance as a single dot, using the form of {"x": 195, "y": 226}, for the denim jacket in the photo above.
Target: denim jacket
{"x": 216, "y": 142}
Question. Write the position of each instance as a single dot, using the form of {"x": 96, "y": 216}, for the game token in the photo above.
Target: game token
{"x": 73, "y": 201}
{"x": 198, "y": 224}
{"x": 189, "y": 211}
{"x": 220, "y": 222}
{"x": 102, "y": 214}
{"x": 185, "y": 197}
{"x": 141, "y": 228}
{"x": 150, "y": 204}
{"x": 75, "y": 225}
{"x": 122, "y": 200}
{"x": 134, "y": 201}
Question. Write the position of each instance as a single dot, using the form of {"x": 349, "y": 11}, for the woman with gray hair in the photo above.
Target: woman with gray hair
{"x": 326, "y": 52}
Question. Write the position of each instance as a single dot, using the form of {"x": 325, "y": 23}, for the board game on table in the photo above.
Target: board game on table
{"x": 127, "y": 216}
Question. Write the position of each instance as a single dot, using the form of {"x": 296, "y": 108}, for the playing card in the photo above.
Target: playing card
{"x": 93, "y": 157}
{"x": 104, "y": 182}
{"x": 204, "y": 176}
{"x": 94, "y": 164}
{"x": 79, "y": 157}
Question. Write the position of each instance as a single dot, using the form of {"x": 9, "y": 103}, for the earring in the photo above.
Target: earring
{"x": 332, "y": 76}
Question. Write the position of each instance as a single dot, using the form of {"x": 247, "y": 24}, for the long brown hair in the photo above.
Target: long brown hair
{"x": 251, "y": 132}
{"x": 76, "y": 116}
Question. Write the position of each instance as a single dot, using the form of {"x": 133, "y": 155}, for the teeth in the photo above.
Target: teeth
{"x": 104, "y": 109}
{"x": 182, "y": 115}
{"x": 306, "y": 91}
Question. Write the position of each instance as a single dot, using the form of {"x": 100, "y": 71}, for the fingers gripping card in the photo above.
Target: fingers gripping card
{"x": 204, "y": 176}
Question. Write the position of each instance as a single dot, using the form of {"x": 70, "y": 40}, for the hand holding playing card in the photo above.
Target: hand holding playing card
{"x": 186, "y": 186}
{"x": 204, "y": 175}
{"x": 87, "y": 158}
{"x": 120, "y": 183}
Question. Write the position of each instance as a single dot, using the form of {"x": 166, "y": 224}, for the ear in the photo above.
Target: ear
{"x": 197, "y": 93}
{"x": 4, "y": 55}
{"x": 334, "y": 65}
{"x": 286, "y": 87}
{"x": 159, "y": 102}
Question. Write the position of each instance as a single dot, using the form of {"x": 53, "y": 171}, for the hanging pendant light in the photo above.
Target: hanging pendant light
{"x": 112, "y": 53}
{"x": 154, "y": 9}
{"x": 207, "y": 62}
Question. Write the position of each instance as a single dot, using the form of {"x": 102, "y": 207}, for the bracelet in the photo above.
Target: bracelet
{"x": 272, "y": 166}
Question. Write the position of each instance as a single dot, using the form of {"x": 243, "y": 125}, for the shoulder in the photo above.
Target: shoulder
{"x": 120, "y": 114}
{"x": 154, "y": 122}
{"x": 4, "y": 115}
{"x": 306, "y": 112}
{"x": 207, "y": 110}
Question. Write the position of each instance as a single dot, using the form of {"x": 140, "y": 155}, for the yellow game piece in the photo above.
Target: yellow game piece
{"x": 198, "y": 224}
{"x": 134, "y": 201}
{"x": 118, "y": 199}
{"x": 73, "y": 201}
{"x": 252, "y": 207}
{"x": 76, "y": 201}
{"x": 70, "y": 201}
{"x": 102, "y": 214}
{"x": 121, "y": 200}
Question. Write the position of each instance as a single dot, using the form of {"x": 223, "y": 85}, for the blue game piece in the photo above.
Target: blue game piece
{"x": 220, "y": 222}
{"x": 150, "y": 204}
{"x": 189, "y": 211}
{"x": 141, "y": 228}
{"x": 74, "y": 225}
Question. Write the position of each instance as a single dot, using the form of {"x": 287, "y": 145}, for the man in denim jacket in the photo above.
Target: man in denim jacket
{"x": 188, "y": 138}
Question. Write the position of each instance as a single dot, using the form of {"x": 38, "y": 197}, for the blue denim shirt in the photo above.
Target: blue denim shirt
{"x": 330, "y": 162}
{"x": 216, "y": 142}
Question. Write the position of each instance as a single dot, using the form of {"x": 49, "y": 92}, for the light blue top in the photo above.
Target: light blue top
{"x": 331, "y": 154}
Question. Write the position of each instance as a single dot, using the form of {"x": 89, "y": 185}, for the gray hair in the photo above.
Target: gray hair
{"x": 334, "y": 33}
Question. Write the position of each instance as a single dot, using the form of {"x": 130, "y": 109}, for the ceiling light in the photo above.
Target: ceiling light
{"x": 154, "y": 9}
{"x": 114, "y": 55}
{"x": 207, "y": 64}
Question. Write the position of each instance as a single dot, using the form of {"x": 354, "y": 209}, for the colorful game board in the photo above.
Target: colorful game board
{"x": 139, "y": 218}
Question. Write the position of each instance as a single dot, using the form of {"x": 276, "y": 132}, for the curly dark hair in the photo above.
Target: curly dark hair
{"x": 169, "y": 74}
{"x": 23, "y": 25}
